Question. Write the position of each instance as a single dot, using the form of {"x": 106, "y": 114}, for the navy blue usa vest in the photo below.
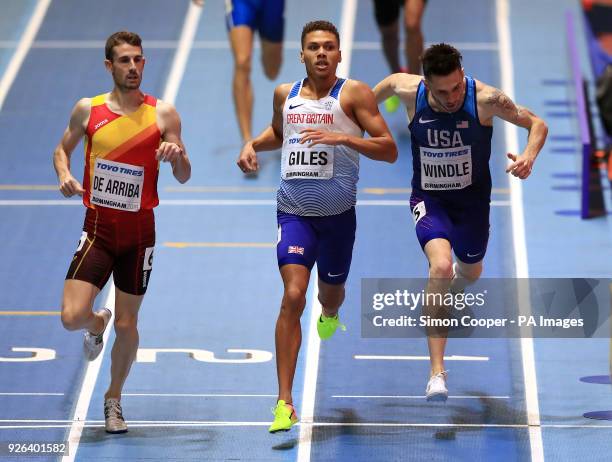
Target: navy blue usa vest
{"x": 450, "y": 151}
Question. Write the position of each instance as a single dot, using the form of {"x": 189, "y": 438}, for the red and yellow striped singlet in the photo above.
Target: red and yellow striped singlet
{"x": 120, "y": 166}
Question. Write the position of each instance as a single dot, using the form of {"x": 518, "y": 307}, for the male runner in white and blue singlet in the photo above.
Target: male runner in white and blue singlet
{"x": 451, "y": 124}
{"x": 319, "y": 122}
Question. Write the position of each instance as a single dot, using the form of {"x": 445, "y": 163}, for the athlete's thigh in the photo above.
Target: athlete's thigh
{"x": 133, "y": 266}
{"x": 295, "y": 276}
{"x": 297, "y": 243}
{"x": 241, "y": 13}
{"x": 78, "y": 296}
{"x": 271, "y": 20}
{"x": 93, "y": 260}
{"x": 127, "y": 306}
{"x": 386, "y": 12}
{"x": 271, "y": 57}
{"x": 414, "y": 9}
{"x": 470, "y": 234}
{"x": 337, "y": 236}
{"x": 431, "y": 219}
{"x": 241, "y": 41}
{"x": 330, "y": 293}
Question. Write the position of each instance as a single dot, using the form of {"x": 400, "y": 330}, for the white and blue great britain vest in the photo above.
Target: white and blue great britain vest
{"x": 320, "y": 180}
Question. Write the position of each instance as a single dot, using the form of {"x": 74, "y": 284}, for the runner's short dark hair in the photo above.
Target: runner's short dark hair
{"x": 440, "y": 59}
{"x": 320, "y": 25}
{"x": 118, "y": 38}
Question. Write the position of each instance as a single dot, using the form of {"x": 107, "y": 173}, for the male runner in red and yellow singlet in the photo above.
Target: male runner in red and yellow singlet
{"x": 127, "y": 133}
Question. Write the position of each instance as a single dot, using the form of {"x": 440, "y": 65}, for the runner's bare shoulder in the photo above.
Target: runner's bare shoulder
{"x": 483, "y": 91}
{"x": 405, "y": 86}
{"x": 80, "y": 113}
{"x": 282, "y": 91}
{"x": 167, "y": 116}
{"x": 485, "y": 95}
{"x": 165, "y": 109}
{"x": 357, "y": 90}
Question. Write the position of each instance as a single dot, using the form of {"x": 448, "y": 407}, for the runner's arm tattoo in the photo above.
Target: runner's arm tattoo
{"x": 505, "y": 108}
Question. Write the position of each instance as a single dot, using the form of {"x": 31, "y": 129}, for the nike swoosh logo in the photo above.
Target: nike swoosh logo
{"x": 475, "y": 255}
{"x": 421, "y": 121}
{"x": 297, "y": 105}
{"x": 334, "y": 275}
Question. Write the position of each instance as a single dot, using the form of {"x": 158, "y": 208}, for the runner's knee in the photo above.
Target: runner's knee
{"x": 294, "y": 299}
{"x": 389, "y": 32}
{"x": 331, "y": 299}
{"x": 125, "y": 324}
{"x": 243, "y": 64}
{"x": 271, "y": 71}
{"x": 469, "y": 272}
{"x": 413, "y": 26}
{"x": 271, "y": 65}
{"x": 441, "y": 267}
{"x": 72, "y": 319}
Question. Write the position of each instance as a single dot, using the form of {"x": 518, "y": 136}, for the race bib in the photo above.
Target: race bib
{"x": 418, "y": 212}
{"x": 300, "y": 161}
{"x": 82, "y": 241}
{"x": 447, "y": 168}
{"x": 117, "y": 186}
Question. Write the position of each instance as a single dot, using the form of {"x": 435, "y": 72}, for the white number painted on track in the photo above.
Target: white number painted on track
{"x": 37, "y": 354}
{"x": 149, "y": 355}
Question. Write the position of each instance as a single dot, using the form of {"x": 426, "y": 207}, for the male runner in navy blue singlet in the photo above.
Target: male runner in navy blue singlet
{"x": 451, "y": 125}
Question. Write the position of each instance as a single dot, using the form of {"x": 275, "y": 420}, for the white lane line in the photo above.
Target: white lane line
{"x": 347, "y": 29}
{"x": 234, "y": 395}
{"x": 23, "y": 47}
{"x": 463, "y": 46}
{"x": 218, "y": 189}
{"x": 200, "y": 395}
{"x": 29, "y": 187}
{"x": 224, "y": 45}
{"x": 27, "y": 202}
{"x": 215, "y": 202}
{"x": 406, "y": 203}
{"x": 31, "y": 394}
{"x": 421, "y": 358}
{"x": 89, "y": 382}
{"x": 518, "y": 235}
{"x": 311, "y": 372}
{"x": 379, "y": 191}
{"x": 187, "y": 423}
{"x": 5, "y": 84}
{"x": 415, "y": 397}
{"x": 190, "y": 26}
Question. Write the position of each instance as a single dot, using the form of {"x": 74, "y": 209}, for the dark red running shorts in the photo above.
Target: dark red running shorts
{"x": 115, "y": 242}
